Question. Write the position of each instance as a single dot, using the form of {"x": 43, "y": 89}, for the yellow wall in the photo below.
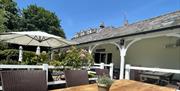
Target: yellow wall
{"x": 152, "y": 53}
{"x": 148, "y": 53}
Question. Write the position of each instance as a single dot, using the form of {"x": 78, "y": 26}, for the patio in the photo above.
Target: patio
{"x": 118, "y": 85}
{"x": 124, "y": 83}
{"x": 47, "y": 67}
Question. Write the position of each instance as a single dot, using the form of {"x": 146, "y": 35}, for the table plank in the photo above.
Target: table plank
{"x": 129, "y": 85}
{"x": 120, "y": 85}
{"x": 91, "y": 87}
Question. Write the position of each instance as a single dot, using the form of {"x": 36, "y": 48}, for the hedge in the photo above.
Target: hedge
{"x": 11, "y": 56}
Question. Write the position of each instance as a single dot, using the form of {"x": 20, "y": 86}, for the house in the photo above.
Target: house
{"x": 154, "y": 42}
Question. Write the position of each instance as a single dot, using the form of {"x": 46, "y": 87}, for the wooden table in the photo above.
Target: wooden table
{"x": 120, "y": 85}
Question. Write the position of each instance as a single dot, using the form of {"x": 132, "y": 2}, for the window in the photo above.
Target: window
{"x": 103, "y": 58}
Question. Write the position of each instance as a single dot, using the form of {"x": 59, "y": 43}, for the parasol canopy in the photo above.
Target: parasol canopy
{"x": 35, "y": 38}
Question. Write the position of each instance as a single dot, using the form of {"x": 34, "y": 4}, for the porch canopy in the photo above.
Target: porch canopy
{"x": 123, "y": 37}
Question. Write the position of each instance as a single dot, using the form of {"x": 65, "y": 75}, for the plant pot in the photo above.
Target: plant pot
{"x": 102, "y": 87}
{"x": 62, "y": 77}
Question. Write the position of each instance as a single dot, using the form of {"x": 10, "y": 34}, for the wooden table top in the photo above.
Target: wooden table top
{"x": 120, "y": 85}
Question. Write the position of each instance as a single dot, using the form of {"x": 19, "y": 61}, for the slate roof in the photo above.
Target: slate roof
{"x": 163, "y": 21}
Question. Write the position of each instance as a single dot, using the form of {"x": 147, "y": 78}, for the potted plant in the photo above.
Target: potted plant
{"x": 104, "y": 83}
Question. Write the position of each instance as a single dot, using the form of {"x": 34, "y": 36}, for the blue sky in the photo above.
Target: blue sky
{"x": 77, "y": 15}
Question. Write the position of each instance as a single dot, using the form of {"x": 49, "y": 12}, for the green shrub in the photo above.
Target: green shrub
{"x": 76, "y": 58}
{"x": 33, "y": 59}
{"x": 9, "y": 54}
{"x": 28, "y": 55}
{"x": 3, "y": 46}
{"x": 29, "y": 61}
{"x": 13, "y": 54}
{"x": 57, "y": 59}
{"x": 55, "y": 63}
{"x": 44, "y": 58}
{"x": 56, "y": 56}
{"x": 104, "y": 80}
{"x": 9, "y": 62}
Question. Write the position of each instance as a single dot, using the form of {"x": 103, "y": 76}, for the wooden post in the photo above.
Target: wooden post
{"x": 122, "y": 63}
{"x": 111, "y": 70}
{"x": 89, "y": 50}
{"x": 102, "y": 66}
{"x": 127, "y": 71}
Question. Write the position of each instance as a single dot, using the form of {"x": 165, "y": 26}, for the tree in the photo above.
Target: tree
{"x": 2, "y": 20}
{"x": 38, "y": 19}
{"x": 11, "y": 14}
{"x": 31, "y": 19}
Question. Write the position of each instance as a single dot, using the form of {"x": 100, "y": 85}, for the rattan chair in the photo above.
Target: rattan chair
{"x": 76, "y": 77}
{"x": 0, "y": 79}
{"x": 135, "y": 75}
{"x": 24, "y": 80}
{"x": 101, "y": 72}
{"x": 178, "y": 83}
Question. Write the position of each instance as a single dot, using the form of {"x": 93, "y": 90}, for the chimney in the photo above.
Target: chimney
{"x": 126, "y": 22}
{"x": 102, "y": 25}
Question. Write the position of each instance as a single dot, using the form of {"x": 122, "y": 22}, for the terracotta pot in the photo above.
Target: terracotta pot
{"x": 102, "y": 87}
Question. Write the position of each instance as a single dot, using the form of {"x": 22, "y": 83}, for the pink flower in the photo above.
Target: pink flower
{"x": 82, "y": 56}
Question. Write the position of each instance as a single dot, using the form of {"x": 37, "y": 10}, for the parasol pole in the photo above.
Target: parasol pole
{"x": 20, "y": 54}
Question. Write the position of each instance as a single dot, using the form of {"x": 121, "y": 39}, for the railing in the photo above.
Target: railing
{"x": 102, "y": 66}
{"x": 129, "y": 67}
{"x": 46, "y": 67}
